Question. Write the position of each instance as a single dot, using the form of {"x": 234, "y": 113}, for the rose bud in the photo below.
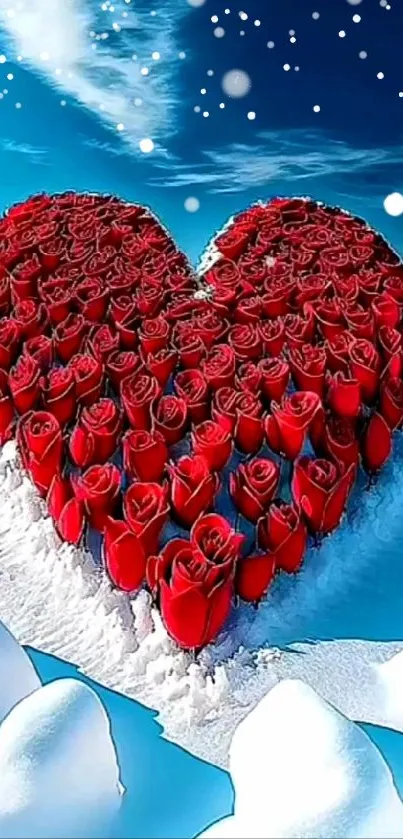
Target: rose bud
{"x": 245, "y": 340}
{"x": 95, "y": 437}
{"x": 249, "y": 429}
{"x": 169, "y": 417}
{"x": 193, "y": 488}
{"x": 249, "y": 377}
{"x": 92, "y": 299}
{"x": 308, "y": 367}
{"x": 66, "y": 510}
{"x": 9, "y": 342}
{"x": 232, "y": 243}
{"x": 191, "y": 386}
{"x": 272, "y": 333}
{"x": 330, "y": 319}
{"x": 219, "y": 366}
{"x": 98, "y": 489}
{"x": 187, "y": 587}
{"x": 376, "y": 444}
{"x": 386, "y": 311}
{"x": 310, "y": 288}
{"x": 31, "y": 318}
{"x": 254, "y": 574}
{"x": 138, "y": 393}
{"x": 57, "y": 297}
{"x": 248, "y": 310}
{"x": 189, "y": 345}
{"x": 145, "y": 455}
{"x": 338, "y": 352}
{"x": 6, "y": 409}
{"x": 275, "y": 301}
{"x": 338, "y": 441}
{"x": 223, "y": 409}
{"x": 211, "y": 327}
{"x": 214, "y": 540}
{"x": 24, "y": 384}
{"x": 365, "y": 366}
{"x": 253, "y": 486}
{"x": 69, "y": 336}
{"x": 283, "y": 533}
{"x": 161, "y": 365}
{"x": 88, "y": 375}
{"x": 124, "y": 557}
{"x": 275, "y": 378}
{"x": 289, "y": 423}
{"x": 360, "y": 321}
{"x": 146, "y": 509}
{"x": 320, "y": 490}
{"x": 40, "y": 444}
{"x": 212, "y": 442}
{"x": 391, "y": 402}
{"x": 41, "y": 349}
{"x": 154, "y": 335}
{"x": 102, "y": 341}
{"x": 390, "y": 341}
{"x": 299, "y": 331}
{"x": 119, "y": 365}
{"x": 59, "y": 394}
{"x": 344, "y": 395}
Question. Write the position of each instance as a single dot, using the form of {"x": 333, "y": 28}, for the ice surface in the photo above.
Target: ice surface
{"x": 301, "y": 769}
{"x": 59, "y": 775}
{"x": 18, "y": 677}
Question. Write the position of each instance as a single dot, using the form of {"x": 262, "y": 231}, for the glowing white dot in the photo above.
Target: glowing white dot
{"x": 144, "y": 71}
{"x": 214, "y": 18}
{"x": 5, "y": 91}
{"x": 291, "y": 32}
{"x": 116, "y": 26}
{"x": 388, "y": 7}
{"x": 316, "y": 108}
{"x": 206, "y": 114}
{"x": 315, "y": 15}
{"x": 356, "y": 18}
{"x": 222, "y": 105}
{"x": 18, "y": 105}
{"x": 44, "y": 56}
{"x": 257, "y": 22}
{"x": 401, "y": 94}
{"x": 286, "y": 67}
{"x": 393, "y": 204}
{"x": 192, "y": 204}
{"x": 134, "y": 57}
{"x": 63, "y": 103}
{"x": 197, "y": 109}
{"x": 146, "y": 145}
{"x": 293, "y": 40}
{"x": 196, "y": 3}
{"x": 120, "y": 126}
{"x": 363, "y": 54}
{"x": 19, "y": 57}
{"x": 155, "y": 55}
{"x": 242, "y": 32}
{"x": 124, "y": 14}
{"x": 380, "y": 75}
{"x": 271, "y": 45}
{"x": 181, "y": 55}
{"x": 236, "y": 84}
{"x": 10, "y": 77}
{"x": 104, "y": 7}
{"x": 227, "y": 11}
{"x": 138, "y": 102}
{"x": 243, "y": 15}
{"x": 383, "y": 3}
{"x": 342, "y": 33}
{"x": 354, "y": 2}
{"x": 1, "y": 96}
{"x": 203, "y": 90}
{"x": 296, "y": 69}
{"x": 251, "y": 115}
{"x": 210, "y": 72}
{"x": 219, "y": 32}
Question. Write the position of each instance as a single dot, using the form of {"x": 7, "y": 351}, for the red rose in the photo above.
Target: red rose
{"x": 191, "y": 386}
{"x": 275, "y": 301}
{"x": 223, "y": 273}
{"x": 92, "y": 299}
{"x": 245, "y": 340}
{"x": 66, "y": 510}
{"x": 248, "y": 310}
{"x": 254, "y": 574}
{"x": 161, "y": 365}
{"x": 214, "y": 540}
{"x": 31, "y": 318}
{"x": 253, "y": 486}
{"x": 119, "y": 365}
{"x": 98, "y": 489}
{"x": 40, "y": 444}
{"x": 376, "y": 444}
{"x": 386, "y": 311}
{"x": 154, "y": 335}
{"x": 145, "y": 455}
{"x": 193, "y": 488}
{"x": 138, "y": 393}
{"x": 231, "y": 243}
{"x": 41, "y": 349}
{"x": 69, "y": 336}
{"x": 96, "y": 435}
{"x": 312, "y": 287}
{"x": 146, "y": 510}
{"x": 6, "y": 409}
{"x": 9, "y": 342}
{"x": 212, "y": 442}
{"x": 288, "y": 424}
{"x": 248, "y": 377}
{"x": 102, "y": 341}
{"x": 219, "y": 366}
{"x": 223, "y": 410}
{"x": 391, "y": 402}
{"x": 366, "y": 367}
{"x": 122, "y": 307}
{"x": 24, "y": 384}
{"x": 308, "y": 367}
{"x": 169, "y": 417}
{"x": 188, "y": 344}
{"x": 249, "y": 429}
{"x": 58, "y": 394}
{"x": 272, "y": 333}
{"x": 283, "y": 533}
{"x": 124, "y": 557}
{"x": 195, "y": 596}
{"x": 344, "y": 395}
{"x": 56, "y": 295}
{"x": 338, "y": 351}
{"x": 88, "y": 375}
{"x": 275, "y": 378}
{"x": 299, "y": 331}
{"x": 390, "y": 341}
{"x": 330, "y": 319}
{"x": 320, "y": 490}
{"x": 338, "y": 441}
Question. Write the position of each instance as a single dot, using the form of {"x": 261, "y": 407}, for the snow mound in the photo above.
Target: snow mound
{"x": 301, "y": 769}
{"x": 59, "y": 775}
{"x": 390, "y": 681}
{"x": 18, "y": 677}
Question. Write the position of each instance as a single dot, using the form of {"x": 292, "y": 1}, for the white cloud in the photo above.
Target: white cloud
{"x": 35, "y": 154}
{"x": 54, "y": 38}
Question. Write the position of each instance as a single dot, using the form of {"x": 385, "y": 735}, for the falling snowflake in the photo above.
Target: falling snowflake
{"x": 393, "y": 204}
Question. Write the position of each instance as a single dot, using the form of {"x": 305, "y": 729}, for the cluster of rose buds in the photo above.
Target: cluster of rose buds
{"x": 140, "y": 406}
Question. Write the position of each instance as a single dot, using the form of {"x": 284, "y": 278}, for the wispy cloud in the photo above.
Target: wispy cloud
{"x": 35, "y": 154}
{"x": 76, "y": 47}
{"x": 287, "y": 156}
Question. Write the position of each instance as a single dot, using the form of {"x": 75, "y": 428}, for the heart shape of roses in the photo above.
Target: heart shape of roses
{"x": 207, "y": 426}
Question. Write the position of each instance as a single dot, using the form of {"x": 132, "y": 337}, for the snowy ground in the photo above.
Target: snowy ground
{"x": 53, "y": 598}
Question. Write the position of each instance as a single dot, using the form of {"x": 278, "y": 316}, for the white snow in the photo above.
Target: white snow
{"x": 18, "y": 677}
{"x": 59, "y": 775}
{"x": 301, "y": 769}
{"x": 390, "y": 688}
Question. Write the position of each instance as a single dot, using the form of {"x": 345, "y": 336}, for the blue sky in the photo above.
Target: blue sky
{"x": 79, "y": 71}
